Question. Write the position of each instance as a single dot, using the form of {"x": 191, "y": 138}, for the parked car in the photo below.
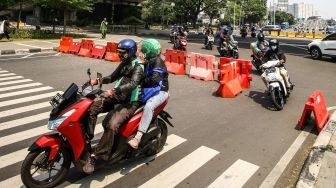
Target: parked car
{"x": 271, "y": 28}
{"x": 330, "y": 30}
{"x": 323, "y": 47}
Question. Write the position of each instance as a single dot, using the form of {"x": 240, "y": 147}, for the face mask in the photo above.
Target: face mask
{"x": 273, "y": 48}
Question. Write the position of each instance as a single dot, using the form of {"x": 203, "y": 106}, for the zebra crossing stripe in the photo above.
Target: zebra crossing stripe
{"x": 23, "y": 121}
{"x": 27, "y": 99}
{"x": 18, "y": 156}
{"x": 24, "y": 109}
{"x": 15, "y": 82}
{"x": 3, "y": 71}
{"x": 6, "y": 75}
{"x": 103, "y": 178}
{"x": 16, "y": 137}
{"x": 11, "y": 78}
{"x": 19, "y": 86}
{"x": 175, "y": 174}
{"x": 236, "y": 175}
{"x": 25, "y": 91}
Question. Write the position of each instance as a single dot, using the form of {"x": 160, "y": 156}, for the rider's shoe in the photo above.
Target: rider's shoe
{"x": 134, "y": 143}
{"x": 89, "y": 166}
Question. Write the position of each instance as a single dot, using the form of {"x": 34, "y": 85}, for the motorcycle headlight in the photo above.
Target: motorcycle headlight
{"x": 54, "y": 124}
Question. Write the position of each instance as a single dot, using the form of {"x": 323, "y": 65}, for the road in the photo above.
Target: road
{"x": 238, "y": 141}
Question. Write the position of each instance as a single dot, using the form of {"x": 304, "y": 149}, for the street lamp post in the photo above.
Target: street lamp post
{"x": 273, "y": 13}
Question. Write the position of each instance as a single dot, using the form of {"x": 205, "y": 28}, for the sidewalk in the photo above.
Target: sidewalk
{"x": 319, "y": 169}
{"x": 35, "y": 45}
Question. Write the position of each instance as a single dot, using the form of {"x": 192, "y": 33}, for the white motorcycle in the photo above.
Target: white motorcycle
{"x": 275, "y": 83}
{"x": 210, "y": 42}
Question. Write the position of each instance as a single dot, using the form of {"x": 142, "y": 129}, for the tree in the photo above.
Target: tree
{"x": 281, "y": 16}
{"x": 158, "y": 11}
{"x": 66, "y": 6}
{"x": 254, "y": 10}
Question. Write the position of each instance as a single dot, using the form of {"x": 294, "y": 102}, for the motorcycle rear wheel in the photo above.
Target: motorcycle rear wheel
{"x": 40, "y": 157}
{"x": 278, "y": 98}
{"x": 162, "y": 138}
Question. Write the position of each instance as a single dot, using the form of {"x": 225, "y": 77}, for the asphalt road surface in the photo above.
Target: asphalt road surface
{"x": 216, "y": 142}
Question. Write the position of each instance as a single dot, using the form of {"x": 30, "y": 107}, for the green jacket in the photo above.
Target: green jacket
{"x": 103, "y": 25}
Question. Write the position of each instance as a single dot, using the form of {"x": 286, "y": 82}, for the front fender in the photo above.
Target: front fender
{"x": 53, "y": 142}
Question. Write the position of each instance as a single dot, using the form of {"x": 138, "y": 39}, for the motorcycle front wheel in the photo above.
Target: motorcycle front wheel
{"x": 38, "y": 172}
{"x": 235, "y": 55}
{"x": 161, "y": 139}
{"x": 278, "y": 98}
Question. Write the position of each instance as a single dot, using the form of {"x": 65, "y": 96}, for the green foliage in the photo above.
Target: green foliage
{"x": 157, "y": 10}
{"x": 40, "y": 34}
{"x": 281, "y": 16}
{"x": 231, "y": 7}
{"x": 254, "y": 10}
{"x": 131, "y": 20}
{"x": 66, "y": 4}
{"x": 5, "y": 3}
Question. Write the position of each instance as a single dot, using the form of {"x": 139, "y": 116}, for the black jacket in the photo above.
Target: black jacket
{"x": 130, "y": 79}
{"x": 271, "y": 55}
{"x": 154, "y": 79}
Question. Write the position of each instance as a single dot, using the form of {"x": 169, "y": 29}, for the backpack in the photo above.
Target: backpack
{"x": 149, "y": 92}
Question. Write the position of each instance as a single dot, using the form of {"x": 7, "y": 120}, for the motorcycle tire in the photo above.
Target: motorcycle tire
{"x": 161, "y": 139}
{"x": 27, "y": 177}
{"x": 278, "y": 99}
{"x": 235, "y": 55}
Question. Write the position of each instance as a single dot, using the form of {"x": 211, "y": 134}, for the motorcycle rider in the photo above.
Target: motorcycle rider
{"x": 260, "y": 45}
{"x": 208, "y": 32}
{"x": 121, "y": 101}
{"x": 226, "y": 38}
{"x": 151, "y": 50}
{"x": 274, "y": 53}
{"x": 182, "y": 33}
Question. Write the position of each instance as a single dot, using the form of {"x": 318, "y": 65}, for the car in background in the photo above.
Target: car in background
{"x": 271, "y": 28}
{"x": 284, "y": 25}
{"x": 323, "y": 47}
{"x": 330, "y": 30}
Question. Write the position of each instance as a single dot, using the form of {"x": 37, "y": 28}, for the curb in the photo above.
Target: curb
{"x": 311, "y": 168}
{"x": 25, "y": 51}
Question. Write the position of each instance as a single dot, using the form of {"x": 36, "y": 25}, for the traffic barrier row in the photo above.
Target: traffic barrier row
{"x": 297, "y": 35}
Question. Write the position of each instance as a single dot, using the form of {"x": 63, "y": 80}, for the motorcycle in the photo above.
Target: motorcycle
{"x": 253, "y": 34}
{"x": 173, "y": 37}
{"x": 50, "y": 156}
{"x": 181, "y": 43}
{"x": 232, "y": 49}
{"x": 275, "y": 83}
{"x": 210, "y": 42}
{"x": 243, "y": 33}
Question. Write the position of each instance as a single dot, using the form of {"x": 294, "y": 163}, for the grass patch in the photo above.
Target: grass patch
{"x": 41, "y": 34}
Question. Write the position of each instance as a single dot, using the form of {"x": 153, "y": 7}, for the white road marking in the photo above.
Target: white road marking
{"x": 19, "y": 86}
{"x": 23, "y": 121}
{"x": 27, "y": 99}
{"x": 58, "y": 54}
{"x": 23, "y": 109}
{"x": 175, "y": 174}
{"x": 3, "y": 71}
{"x": 26, "y": 56}
{"x": 279, "y": 168}
{"x": 15, "y": 82}
{"x": 7, "y": 75}
{"x": 11, "y": 78}
{"x": 331, "y": 108}
{"x": 102, "y": 178}
{"x": 30, "y": 133}
{"x": 26, "y": 45}
{"x": 236, "y": 175}
{"x": 25, "y": 92}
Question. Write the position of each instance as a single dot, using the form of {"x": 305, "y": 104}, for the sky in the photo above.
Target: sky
{"x": 326, "y": 8}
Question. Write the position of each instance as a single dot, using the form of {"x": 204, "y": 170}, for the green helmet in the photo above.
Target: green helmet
{"x": 150, "y": 48}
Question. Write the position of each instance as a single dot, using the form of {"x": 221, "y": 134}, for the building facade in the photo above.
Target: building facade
{"x": 282, "y": 5}
{"x": 301, "y": 10}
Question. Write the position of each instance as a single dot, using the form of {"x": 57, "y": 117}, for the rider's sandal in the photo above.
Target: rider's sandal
{"x": 134, "y": 143}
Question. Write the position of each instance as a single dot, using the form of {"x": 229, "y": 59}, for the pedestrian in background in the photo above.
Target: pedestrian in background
{"x": 103, "y": 28}
{"x": 4, "y": 28}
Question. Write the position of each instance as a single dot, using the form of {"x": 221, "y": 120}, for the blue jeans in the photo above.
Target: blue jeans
{"x": 149, "y": 108}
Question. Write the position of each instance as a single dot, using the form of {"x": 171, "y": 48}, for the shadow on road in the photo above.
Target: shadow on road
{"x": 326, "y": 59}
{"x": 263, "y": 99}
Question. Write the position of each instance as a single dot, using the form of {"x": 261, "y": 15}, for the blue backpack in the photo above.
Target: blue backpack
{"x": 149, "y": 92}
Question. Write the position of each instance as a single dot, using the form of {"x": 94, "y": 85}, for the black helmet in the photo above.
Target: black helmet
{"x": 261, "y": 37}
{"x": 274, "y": 44}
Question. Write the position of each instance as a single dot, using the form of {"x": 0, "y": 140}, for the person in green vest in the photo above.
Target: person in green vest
{"x": 121, "y": 102}
{"x": 103, "y": 28}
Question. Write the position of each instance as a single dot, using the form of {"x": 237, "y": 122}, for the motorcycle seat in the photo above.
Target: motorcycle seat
{"x": 140, "y": 109}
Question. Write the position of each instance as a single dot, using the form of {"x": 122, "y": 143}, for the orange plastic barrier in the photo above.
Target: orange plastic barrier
{"x": 98, "y": 51}
{"x": 86, "y": 48}
{"x": 65, "y": 44}
{"x": 222, "y": 61}
{"x": 111, "y": 52}
{"x": 229, "y": 84}
{"x": 202, "y": 67}
{"x": 245, "y": 66}
{"x": 175, "y": 61}
{"x": 74, "y": 47}
{"x": 315, "y": 103}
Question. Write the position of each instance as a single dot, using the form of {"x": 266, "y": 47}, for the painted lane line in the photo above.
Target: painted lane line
{"x": 102, "y": 178}
{"x": 28, "y": 99}
{"x": 26, "y": 45}
{"x": 279, "y": 168}
{"x": 19, "y": 86}
{"x": 23, "y": 121}
{"x": 16, "y": 137}
{"x": 11, "y": 78}
{"x": 3, "y": 71}
{"x": 7, "y": 75}
{"x": 236, "y": 175}
{"x": 26, "y": 56}
{"x": 175, "y": 174}
{"x": 23, "y": 109}
{"x": 15, "y": 82}
{"x": 25, "y": 92}
{"x": 18, "y": 156}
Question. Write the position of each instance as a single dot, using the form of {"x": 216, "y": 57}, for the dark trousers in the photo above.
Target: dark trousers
{"x": 117, "y": 116}
{"x": 6, "y": 34}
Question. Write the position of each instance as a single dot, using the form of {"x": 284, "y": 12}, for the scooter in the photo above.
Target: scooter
{"x": 210, "y": 42}
{"x": 181, "y": 43}
{"x": 243, "y": 33}
{"x": 50, "y": 156}
{"x": 173, "y": 36}
{"x": 232, "y": 49}
{"x": 275, "y": 83}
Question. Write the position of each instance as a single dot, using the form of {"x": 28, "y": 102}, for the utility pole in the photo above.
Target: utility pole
{"x": 234, "y": 16}
{"x": 273, "y": 13}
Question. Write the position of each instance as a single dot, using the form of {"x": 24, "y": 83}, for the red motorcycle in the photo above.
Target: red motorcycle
{"x": 50, "y": 156}
{"x": 181, "y": 43}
